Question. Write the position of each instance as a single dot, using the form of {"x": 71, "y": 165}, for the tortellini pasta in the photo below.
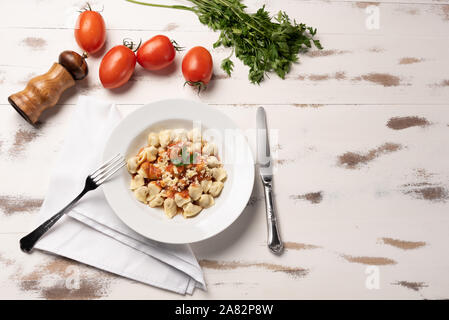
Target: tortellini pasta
{"x": 191, "y": 210}
{"x": 153, "y": 189}
{"x": 137, "y": 181}
{"x": 153, "y": 139}
{"x": 148, "y": 154}
{"x": 132, "y": 164}
{"x": 164, "y": 138}
{"x": 178, "y": 171}
{"x": 143, "y": 170}
{"x": 210, "y": 149}
{"x": 194, "y": 135}
{"x": 195, "y": 191}
{"x": 170, "y": 207}
{"x": 205, "y": 184}
{"x": 219, "y": 174}
{"x": 215, "y": 188}
{"x": 141, "y": 194}
{"x": 156, "y": 201}
{"x": 212, "y": 162}
{"x": 179, "y": 135}
{"x": 206, "y": 201}
{"x": 181, "y": 200}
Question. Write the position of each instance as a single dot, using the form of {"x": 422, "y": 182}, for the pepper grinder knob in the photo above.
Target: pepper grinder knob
{"x": 43, "y": 92}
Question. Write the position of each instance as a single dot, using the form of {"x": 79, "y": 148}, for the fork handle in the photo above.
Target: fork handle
{"x": 27, "y": 243}
{"x": 273, "y": 240}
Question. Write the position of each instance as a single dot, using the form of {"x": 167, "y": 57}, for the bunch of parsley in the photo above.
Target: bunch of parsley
{"x": 263, "y": 43}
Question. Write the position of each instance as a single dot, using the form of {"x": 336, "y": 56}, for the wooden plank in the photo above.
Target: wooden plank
{"x": 360, "y": 147}
{"x": 229, "y": 276}
{"x": 370, "y": 167}
{"x": 363, "y": 70}
{"x": 396, "y": 17}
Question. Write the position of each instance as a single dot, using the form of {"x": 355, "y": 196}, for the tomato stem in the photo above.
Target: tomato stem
{"x": 88, "y": 7}
{"x": 199, "y": 84}
{"x": 129, "y": 43}
{"x": 177, "y": 46}
{"x": 138, "y": 46}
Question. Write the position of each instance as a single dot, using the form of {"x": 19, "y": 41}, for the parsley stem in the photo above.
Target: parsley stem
{"x": 226, "y": 3}
{"x": 163, "y": 5}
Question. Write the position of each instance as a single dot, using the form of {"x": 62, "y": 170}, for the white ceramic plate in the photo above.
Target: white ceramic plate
{"x": 131, "y": 134}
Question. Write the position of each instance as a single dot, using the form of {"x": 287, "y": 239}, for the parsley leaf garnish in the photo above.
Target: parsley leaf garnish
{"x": 185, "y": 159}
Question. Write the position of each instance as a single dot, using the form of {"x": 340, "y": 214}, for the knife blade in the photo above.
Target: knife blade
{"x": 265, "y": 163}
{"x": 263, "y": 145}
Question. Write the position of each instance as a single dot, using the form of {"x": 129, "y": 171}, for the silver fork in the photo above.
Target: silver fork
{"x": 93, "y": 181}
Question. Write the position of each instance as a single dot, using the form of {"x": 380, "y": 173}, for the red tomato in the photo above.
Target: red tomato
{"x": 90, "y": 31}
{"x": 156, "y": 53}
{"x": 117, "y": 66}
{"x": 197, "y": 66}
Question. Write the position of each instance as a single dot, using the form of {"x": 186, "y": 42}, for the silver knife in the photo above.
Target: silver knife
{"x": 266, "y": 175}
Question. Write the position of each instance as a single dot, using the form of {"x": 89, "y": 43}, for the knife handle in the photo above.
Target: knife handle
{"x": 273, "y": 240}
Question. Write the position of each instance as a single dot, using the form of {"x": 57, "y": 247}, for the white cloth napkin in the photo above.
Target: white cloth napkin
{"x": 93, "y": 234}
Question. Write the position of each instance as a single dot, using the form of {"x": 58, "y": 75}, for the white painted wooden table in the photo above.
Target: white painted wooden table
{"x": 361, "y": 184}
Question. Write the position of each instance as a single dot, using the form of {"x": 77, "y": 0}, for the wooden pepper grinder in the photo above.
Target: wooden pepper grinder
{"x": 44, "y": 91}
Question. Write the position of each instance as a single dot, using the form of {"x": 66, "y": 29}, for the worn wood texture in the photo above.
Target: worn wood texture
{"x": 360, "y": 135}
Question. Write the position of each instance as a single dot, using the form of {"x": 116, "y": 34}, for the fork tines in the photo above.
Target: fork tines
{"x": 108, "y": 169}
